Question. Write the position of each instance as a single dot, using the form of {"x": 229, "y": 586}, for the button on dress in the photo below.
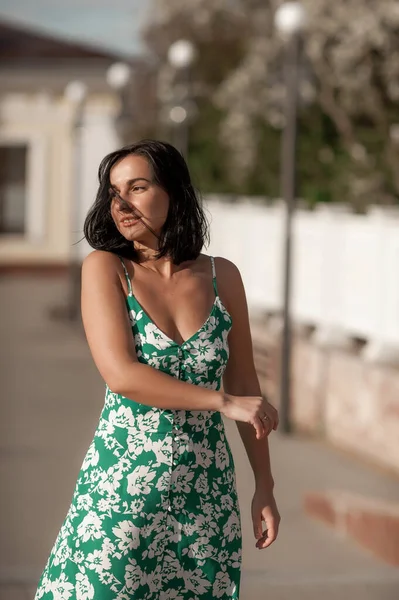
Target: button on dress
{"x": 155, "y": 514}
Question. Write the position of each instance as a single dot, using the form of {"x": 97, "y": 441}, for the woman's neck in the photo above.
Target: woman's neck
{"x": 147, "y": 258}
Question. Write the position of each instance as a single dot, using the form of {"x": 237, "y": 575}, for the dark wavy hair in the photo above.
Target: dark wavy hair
{"x": 185, "y": 230}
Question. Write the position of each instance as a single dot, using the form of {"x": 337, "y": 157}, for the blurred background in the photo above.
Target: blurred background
{"x": 288, "y": 115}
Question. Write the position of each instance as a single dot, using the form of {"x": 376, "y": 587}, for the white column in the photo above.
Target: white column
{"x": 99, "y": 139}
{"x": 37, "y": 175}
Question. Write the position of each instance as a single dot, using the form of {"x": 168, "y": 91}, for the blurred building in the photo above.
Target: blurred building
{"x": 41, "y": 197}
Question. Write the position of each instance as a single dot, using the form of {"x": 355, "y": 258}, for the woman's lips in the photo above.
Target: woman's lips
{"x": 129, "y": 222}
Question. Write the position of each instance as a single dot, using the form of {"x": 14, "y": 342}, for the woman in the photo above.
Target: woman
{"x": 155, "y": 512}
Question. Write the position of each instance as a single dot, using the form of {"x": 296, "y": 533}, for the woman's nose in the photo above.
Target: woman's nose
{"x": 125, "y": 207}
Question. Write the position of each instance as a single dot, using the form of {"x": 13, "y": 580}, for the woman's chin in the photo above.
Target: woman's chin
{"x": 136, "y": 236}
{"x": 130, "y": 237}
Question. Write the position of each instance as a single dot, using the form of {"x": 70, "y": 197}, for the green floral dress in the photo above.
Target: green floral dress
{"x": 155, "y": 513}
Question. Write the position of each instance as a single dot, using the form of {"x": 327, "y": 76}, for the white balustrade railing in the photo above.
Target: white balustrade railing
{"x": 345, "y": 267}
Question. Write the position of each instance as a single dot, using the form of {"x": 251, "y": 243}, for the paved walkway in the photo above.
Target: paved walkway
{"x": 51, "y": 400}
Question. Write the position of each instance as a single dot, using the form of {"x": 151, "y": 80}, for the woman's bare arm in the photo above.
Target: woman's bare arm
{"x": 240, "y": 378}
{"x": 111, "y": 342}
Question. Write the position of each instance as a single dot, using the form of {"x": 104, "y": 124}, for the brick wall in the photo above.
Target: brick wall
{"x": 335, "y": 393}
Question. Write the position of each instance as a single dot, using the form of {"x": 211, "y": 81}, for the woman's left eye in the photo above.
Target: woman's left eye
{"x": 137, "y": 188}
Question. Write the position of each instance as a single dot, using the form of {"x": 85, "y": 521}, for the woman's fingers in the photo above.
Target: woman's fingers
{"x": 268, "y": 426}
{"x": 272, "y": 414}
{"x": 266, "y": 419}
{"x": 259, "y": 430}
{"x": 257, "y": 525}
{"x": 263, "y": 427}
{"x": 275, "y": 417}
{"x": 267, "y": 537}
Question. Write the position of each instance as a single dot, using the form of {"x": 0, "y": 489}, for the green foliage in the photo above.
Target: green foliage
{"x": 206, "y": 155}
{"x": 345, "y": 151}
{"x": 318, "y": 180}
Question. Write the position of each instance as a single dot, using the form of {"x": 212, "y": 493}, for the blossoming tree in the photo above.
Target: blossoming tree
{"x": 350, "y": 72}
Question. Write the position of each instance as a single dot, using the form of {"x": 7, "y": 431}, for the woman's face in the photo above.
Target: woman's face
{"x": 146, "y": 202}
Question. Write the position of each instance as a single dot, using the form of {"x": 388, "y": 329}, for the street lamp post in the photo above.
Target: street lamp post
{"x": 290, "y": 19}
{"x": 181, "y": 56}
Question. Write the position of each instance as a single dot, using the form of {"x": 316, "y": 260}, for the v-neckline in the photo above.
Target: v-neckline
{"x": 164, "y": 335}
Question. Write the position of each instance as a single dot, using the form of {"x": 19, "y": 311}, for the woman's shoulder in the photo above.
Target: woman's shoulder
{"x": 225, "y": 268}
{"x": 227, "y": 275}
{"x": 101, "y": 261}
{"x": 101, "y": 257}
{"x": 228, "y": 280}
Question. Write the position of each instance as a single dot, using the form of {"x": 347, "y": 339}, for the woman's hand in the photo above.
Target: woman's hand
{"x": 270, "y": 418}
{"x": 264, "y": 509}
{"x": 254, "y": 410}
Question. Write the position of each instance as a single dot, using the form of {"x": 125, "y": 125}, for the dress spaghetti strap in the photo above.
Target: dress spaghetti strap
{"x": 129, "y": 283}
{"x": 215, "y": 287}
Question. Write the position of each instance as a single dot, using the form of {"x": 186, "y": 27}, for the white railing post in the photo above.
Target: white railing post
{"x": 383, "y": 338}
